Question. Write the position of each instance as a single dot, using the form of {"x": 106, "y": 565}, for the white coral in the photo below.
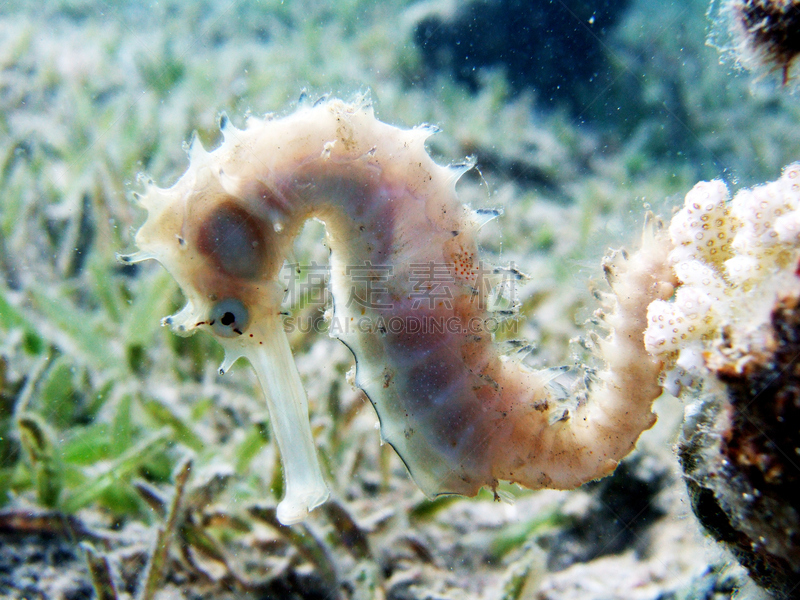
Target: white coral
{"x": 731, "y": 260}
{"x": 671, "y": 325}
{"x": 703, "y": 229}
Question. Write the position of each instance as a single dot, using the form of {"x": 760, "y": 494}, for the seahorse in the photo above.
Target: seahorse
{"x": 460, "y": 412}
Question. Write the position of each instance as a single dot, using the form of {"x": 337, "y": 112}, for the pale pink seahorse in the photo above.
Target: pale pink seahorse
{"x": 460, "y": 413}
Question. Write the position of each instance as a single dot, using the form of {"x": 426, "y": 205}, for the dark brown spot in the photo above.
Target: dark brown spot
{"x": 387, "y": 377}
{"x": 232, "y": 239}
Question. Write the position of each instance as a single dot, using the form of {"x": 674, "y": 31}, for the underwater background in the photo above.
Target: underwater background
{"x": 581, "y": 115}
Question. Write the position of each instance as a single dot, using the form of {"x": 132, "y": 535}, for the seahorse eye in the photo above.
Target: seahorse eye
{"x": 229, "y": 318}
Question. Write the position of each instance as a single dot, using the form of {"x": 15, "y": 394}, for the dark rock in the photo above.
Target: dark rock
{"x": 624, "y": 506}
{"x": 556, "y": 48}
